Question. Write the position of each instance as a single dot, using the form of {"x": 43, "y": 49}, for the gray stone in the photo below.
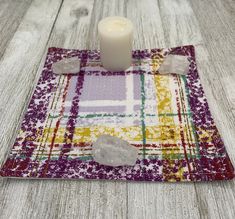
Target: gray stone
{"x": 66, "y": 66}
{"x": 113, "y": 151}
{"x": 176, "y": 64}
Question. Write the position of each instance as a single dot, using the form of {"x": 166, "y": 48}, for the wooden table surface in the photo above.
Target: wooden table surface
{"x": 29, "y": 27}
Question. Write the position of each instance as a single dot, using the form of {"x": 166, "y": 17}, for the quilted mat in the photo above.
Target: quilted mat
{"x": 165, "y": 116}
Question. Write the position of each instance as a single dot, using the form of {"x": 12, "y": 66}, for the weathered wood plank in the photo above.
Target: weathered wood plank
{"x": 72, "y": 25}
{"x": 11, "y": 13}
{"x": 148, "y": 24}
{"x": 179, "y": 24}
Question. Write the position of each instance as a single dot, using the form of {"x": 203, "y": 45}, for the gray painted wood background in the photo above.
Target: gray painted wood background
{"x": 29, "y": 27}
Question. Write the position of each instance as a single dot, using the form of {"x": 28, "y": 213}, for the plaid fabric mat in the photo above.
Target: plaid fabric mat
{"x": 165, "y": 116}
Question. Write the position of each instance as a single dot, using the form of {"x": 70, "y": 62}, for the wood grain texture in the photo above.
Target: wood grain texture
{"x": 208, "y": 24}
{"x": 11, "y": 14}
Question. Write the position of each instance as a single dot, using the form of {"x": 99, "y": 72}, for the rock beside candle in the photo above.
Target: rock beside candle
{"x": 174, "y": 64}
{"x": 116, "y": 36}
{"x": 113, "y": 151}
{"x": 66, "y": 66}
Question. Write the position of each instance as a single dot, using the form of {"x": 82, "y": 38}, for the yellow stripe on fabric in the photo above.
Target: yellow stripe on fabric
{"x": 89, "y": 134}
{"x": 164, "y": 106}
{"x": 157, "y": 60}
{"x": 165, "y": 134}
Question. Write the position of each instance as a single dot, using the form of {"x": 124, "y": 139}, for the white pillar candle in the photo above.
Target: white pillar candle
{"x": 116, "y": 36}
